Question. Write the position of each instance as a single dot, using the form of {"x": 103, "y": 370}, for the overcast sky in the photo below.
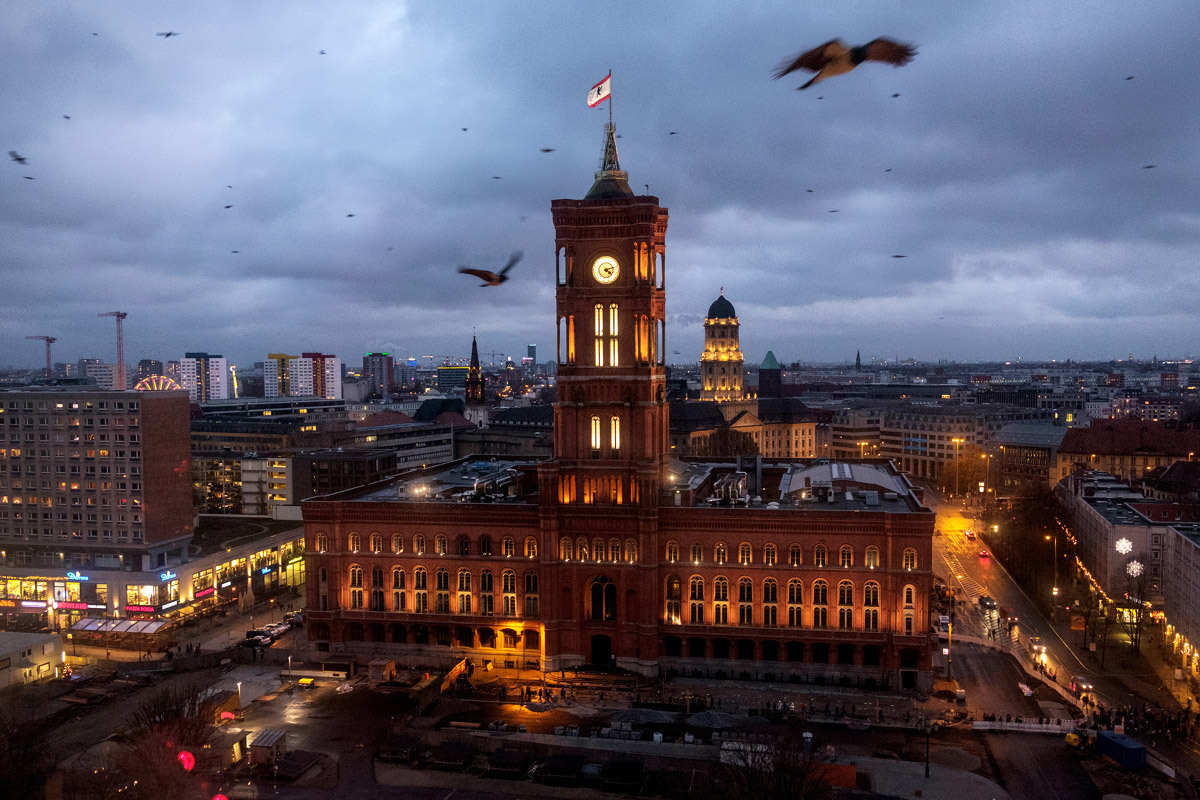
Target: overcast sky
{"x": 1016, "y": 148}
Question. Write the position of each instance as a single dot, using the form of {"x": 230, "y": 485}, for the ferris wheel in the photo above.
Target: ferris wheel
{"x": 156, "y": 383}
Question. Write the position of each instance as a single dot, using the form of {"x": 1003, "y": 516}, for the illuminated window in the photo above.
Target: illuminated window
{"x": 696, "y": 600}
{"x": 613, "y": 359}
{"x": 719, "y": 553}
{"x": 910, "y": 558}
{"x": 721, "y": 601}
{"x": 770, "y": 597}
{"x": 419, "y": 545}
{"x": 596, "y": 433}
{"x": 744, "y": 554}
{"x": 871, "y": 604}
{"x": 599, "y": 314}
{"x": 440, "y": 544}
{"x": 356, "y": 583}
{"x": 769, "y": 555}
{"x": 674, "y": 600}
{"x": 614, "y": 434}
{"x": 630, "y": 550}
{"x": 672, "y": 552}
{"x": 354, "y": 543}
{"x": 872, "y": 557}
{"x": 397, "y": 543}
{"x": 565, "y": 549}
{"x": 819, "y": 555}
{"x": 531, "y": 547}
{"x": 846, "y": 556}
{"x": 795, "y": 603}
{"x": 376, "y": 543}
{"x": 794, "y": 555}
{"x": 697, "y": 553}
{"x": 322, "y": 543}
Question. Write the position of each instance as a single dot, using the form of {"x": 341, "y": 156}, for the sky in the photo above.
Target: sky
{"x": 1010, "y": 172}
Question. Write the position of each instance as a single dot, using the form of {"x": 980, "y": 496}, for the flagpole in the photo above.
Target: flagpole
{"x": 610, "y": 100}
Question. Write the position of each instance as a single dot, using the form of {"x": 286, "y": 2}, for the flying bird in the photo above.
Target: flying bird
{"x": 167, "y": 34}
{"x": 889, "y": 169}
{"x": 464, "y": 129}
{"x": 490, "y": 278}
{"x": 897, "y": 94}
{"x": 1150, "y": 166}
{"x": 229, "y": 206}
{"x": 672, "y": 133}
{"x": 899, "y": 256}
{"x": 547, "y": 149}
{"x": 496, "y": 177}
{"x": 66, "y": 116}
{"x": 808, "y": 190}
{"x": 228, "y": 187}
{"x": 836, "y": 58}
{"x": 322, "y": 52}
{"x": 349, "y": 215}
{"x": 235, "y": 251}
{"x": 834, "y": 210}
{"x": 29, "y": 178}
{"x": 17, "y": 157}
{"x": 1129, "y": 78}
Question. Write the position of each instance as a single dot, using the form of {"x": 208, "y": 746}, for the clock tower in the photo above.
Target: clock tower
{"x": 601, "y": 491}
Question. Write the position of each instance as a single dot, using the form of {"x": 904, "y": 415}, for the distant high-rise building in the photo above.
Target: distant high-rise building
{"x": 149, "y": 366}
{"x": 451, "y": 377}
{"x": 531, "y": 353}
{"x": 172, "y": 372}
{"x": 204, "y": 376}
{"x": 326, "y": 376}
{"x": 82, "y": 366}
{"x": 277, "y": 375}
{"x": 379, "y": 372}
{"x": 105, "y": 375}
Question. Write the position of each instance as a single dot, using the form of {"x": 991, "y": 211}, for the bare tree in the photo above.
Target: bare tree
{"x": 25, "y": 758}
{"x": 180, "y": 718}
{"x": 1132, "y": 610}
{"x": 782, "y": 770}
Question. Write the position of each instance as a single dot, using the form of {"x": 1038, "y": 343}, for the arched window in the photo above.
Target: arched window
{"x": 420, "y": 596}
{"x": 845, "y": 605}
{"x": 614, "y": 550}
{"x": 604, "y": 599}
{"x": 871, "y": 606}
{"x": 376, "y": 543}
{"x": 819, "y": 555}
{"x": 441, "y": 545}
{"x": 581, "y": 549}
{"x": 910, "y": 558}
{"x": 565, "y": 549}
{"x": 674, "y": 600}
{"x": 322, "y": 543}
{"x": 464, "y": 591}
{"x": 872, "y": 557}
{"x": 354, "y": 543}
{"x": 697, "y": 553}
{"x": 356, "y": 586}
{"x": 820, "y": 604}
{"x": 485, "y": 545}
{"x": 846, "y": 556}
{"x": 598, "y": 549}
{"x": 745, "y": 553}
{"x": 464, "y": 546}
{"x": 508, "y": 588}
{"x": 770, "y": 611}
{"x": 613, "y": 360}
{"x": 795, "y": 600}
{"x": 745, "y": 600}
{"x": 909, "y": 595}
{"x": 630, "y": 551}
{"x": 419, "y": 545}
{"x": 532, "y": 609}
{"x": 595, "y": 435}
{"x": 794, "y": 555}
{"x": 696, "y": 600}
{"x": 614, "y": 434}
{"x": 721, "y": 601}
{"x": 487, "y": 600}
{"x": 377, "y": 576}
{"x": 508, "y": 547}
{"x": 719, "y": 554}
{"x": 672, "y": 552}
{"x": 769, "y": 556}
{"x": 530, "y": 547}
{"x": 599, "y": 335}
{"x": 441, "y": 598}
{"x": 397, "y": 543}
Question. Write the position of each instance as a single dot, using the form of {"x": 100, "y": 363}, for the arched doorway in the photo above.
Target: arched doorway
{"x": 602, "y": 655}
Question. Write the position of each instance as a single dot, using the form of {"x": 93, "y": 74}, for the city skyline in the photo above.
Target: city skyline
{"x": 1035, "y": 184}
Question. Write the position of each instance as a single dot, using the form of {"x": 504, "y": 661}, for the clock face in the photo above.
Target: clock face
{"x": 605, "y": 269}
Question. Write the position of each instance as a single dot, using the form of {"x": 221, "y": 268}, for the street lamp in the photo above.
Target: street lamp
{"x": 862, "y": 449}
{"x": 957, "y": 442}
{"x": 987, "y": 480}
{"x": 927, "y": 726}
{"x": 1054, "y": 537}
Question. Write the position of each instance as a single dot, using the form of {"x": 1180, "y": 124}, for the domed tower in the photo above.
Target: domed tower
{"x": 721, "y": 362}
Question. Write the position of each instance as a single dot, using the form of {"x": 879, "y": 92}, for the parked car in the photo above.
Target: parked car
{"x": 255, "y": 641}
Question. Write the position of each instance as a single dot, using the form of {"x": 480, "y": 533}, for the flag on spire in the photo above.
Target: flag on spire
{"x": 600, "y": 92}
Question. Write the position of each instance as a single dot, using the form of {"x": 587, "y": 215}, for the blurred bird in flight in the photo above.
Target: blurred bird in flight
{"x": 490, "y": 278}
{"x": 836, "y": 58}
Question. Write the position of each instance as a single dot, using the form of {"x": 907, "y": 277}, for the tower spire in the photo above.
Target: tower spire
{"x": 611, "y": 180}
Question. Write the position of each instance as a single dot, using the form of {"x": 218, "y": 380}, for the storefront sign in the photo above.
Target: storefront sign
{"x": 205, "y": 592}
{"x": 171, "y": 604}
{"x": 295, "y": 559}
{"x": 32, "y": 604}
{"x": 265, "y": 570}
{"x": 72, "y": 606}
{"x": 8, "y": 603}
{"x": 96, "y": 605}
{"x": 145, "y": 609}
{"x": 166, "y": 576}
{"x": 77, "y": 576}
{"x": 226, "y": 584}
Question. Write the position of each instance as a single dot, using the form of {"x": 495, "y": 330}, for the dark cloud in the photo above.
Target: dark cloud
{"x": 1015, "y": 189}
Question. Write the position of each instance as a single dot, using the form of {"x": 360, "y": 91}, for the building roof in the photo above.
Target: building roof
{"x": 1113, "y": 437}
{"x": 721, "y": 308}
{"x": 531, "y": 416}
{"x": 432, "y": 408}
{"x": 267, "y": 737}
{"x": 770, "y": 362}
{"x": 611, "y": 181}
{"x": 11, "y": 642}
{"x": 783, "y": 410}
{"x": 385, "y": 418}
{"x": 1030, "y": 434}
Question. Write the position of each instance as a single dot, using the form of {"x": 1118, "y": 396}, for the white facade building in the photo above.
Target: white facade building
{"x": 204, "y": 376}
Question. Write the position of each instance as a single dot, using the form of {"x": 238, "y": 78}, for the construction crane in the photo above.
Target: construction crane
{"x": 119, "y": 378}
{"x": 49, "y": 340}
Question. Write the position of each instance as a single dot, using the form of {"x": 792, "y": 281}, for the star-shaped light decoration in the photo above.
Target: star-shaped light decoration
{"x": 1124, "y": 546}
{"x": 1134, "y": 568}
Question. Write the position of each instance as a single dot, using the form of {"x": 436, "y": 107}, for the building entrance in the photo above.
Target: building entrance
{"x": 602, "y": 655}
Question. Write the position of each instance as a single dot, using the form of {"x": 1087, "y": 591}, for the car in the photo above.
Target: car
{"x": 986, "y": 602}
{"x": 1036, "y": 645}
{"x": 970, "y": 534}
{"x": 984, "y": 554}
{"x": 1080, "y": 685}
{"x": 255, "y": 641}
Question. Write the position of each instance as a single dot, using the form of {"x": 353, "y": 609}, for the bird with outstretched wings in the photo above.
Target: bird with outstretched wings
{"x": 17, "y": 157}
{"x": 490, "y": 278}
{"x": 835, "y": 57}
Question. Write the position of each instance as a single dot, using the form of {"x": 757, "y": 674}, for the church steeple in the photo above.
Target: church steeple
{"x": 611, "y": 180}
{"x": 474, "y": 376}
{"x": 858, "y": 361}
